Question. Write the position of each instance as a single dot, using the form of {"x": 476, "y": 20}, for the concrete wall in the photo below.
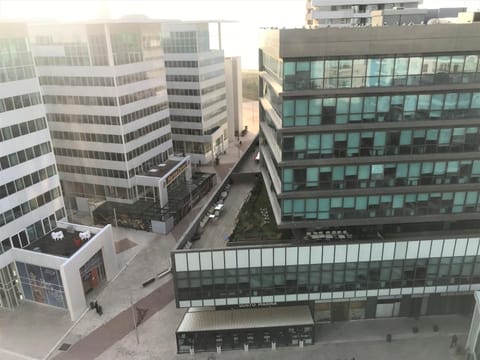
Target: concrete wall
{"x": 474, "y": 329}
{"x": 70, "y": 271}
{"x": 233, "y": 84}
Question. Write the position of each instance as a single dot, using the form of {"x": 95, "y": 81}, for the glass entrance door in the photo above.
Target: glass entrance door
{"x": 10, "y": 294}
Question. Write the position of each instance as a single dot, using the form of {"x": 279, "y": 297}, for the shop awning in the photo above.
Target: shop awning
{"x": 236, "y": 319}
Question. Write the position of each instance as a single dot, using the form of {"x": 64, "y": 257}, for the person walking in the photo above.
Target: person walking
{"x": 454, "y": 341}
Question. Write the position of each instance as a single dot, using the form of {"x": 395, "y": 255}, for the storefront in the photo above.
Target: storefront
{"x": 93, "y": 273}
{"x": 265, "y": 327}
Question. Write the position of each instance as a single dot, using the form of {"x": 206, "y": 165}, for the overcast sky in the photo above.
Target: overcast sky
{"x": 239, "y": 38}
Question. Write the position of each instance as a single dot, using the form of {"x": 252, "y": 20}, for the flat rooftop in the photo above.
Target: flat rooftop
{"x": 161, "y": 169}
{"x": 65, "y": 247}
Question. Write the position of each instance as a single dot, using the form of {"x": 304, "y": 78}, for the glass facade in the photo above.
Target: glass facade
{"x": 385, "y": 205}
{"x": 381, "y": 71}
{"x": 385, "y": 108}
{"x": 42, "y": 284}
{"x": 10, "y": 294}
{"x": 283, "y": 274}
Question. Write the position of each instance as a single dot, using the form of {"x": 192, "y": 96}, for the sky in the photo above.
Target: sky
{"x": 239, "y": 36}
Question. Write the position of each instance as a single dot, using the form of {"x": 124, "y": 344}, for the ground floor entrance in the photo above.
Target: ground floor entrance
{"x": 10, "y": 294}
{"x": 93, "y": 273}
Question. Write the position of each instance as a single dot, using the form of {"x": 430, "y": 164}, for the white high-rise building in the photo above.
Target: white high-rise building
{"x": 338, "y": 13}
{"x": 233, "y": 80}
{"x": 105, "y": 94}
{"x": 30, "y": 196}
{"x": 196, "y": 91}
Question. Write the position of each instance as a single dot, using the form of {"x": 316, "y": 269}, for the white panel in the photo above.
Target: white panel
{"x": 181, "y": 262}
{"x": 364, "y": 254}
{"x": 460, "y": 247}
{"x": 326, "y": 296}
{"x": 303, "y": 255}
{"x": 184, "y": 304}
{"x": 372, "y": 292}
{"x": 197, "y": 303}
{"x": 448, "y": 247}
{"x": 218, "y": 260}
{"x": 244, "y": 300}
{"x": 279, "y": 298}
{"x": 328, "y": 254}
{"x": 255, "y": 258}
{"x": 412, "y": 249}
{"x": 400, "y": 250}
{"x": 418, "y": 290}
{"x": 376, "y": 253}
{"x": 267, "y": 299}
{"x": 440, "y": 289}
{"x": 407, "y": 291}
{"x": 429, "y": 289}
{"x": 340, "y": 253}
{"x": 352, "y": 253}
{"x": 361, "y": 293}
{"x": 193, "y": 261}
{"x": 302, "y": 297}
{"x": 436, "y": 249}
{"x": 424, "y": 249}
{"x": 349, "y": 294}
{"x": 230, "y": 259}
{"x": 314, "y": 296}
{"x": 208, "y": 302}
{"x": 256, "y": 299}
{"x": 475, "y": 287}
{"x": 220, "y": 302}
{"x": 383, "y": 292}
{"x": 472, "y": 246}
{"x": 315, "y": 255}
{"x": 232, "y": 301}
{"x": 452, "y": 288}
{"x": 279, "y": 256}
{"x": 242, "y": 258}
{"x": 292, "y": 256}
{"x": 388, "y": 250}
{"x": 463, "y": 287}
{"x": 267, "y": 257}
{"x": 291, "y": 297}
{"x": 206, "y": 260}
{"x": 395, "y": 291}
{"x": 337, "y": 295}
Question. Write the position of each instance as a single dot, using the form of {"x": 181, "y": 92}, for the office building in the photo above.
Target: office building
{"x": 369, "y": 143}
{"x": 338, "y": 13}
{"x": 105, "y": 95}
{"x": 196, "y": 91}
{"x": 233, "y": 81}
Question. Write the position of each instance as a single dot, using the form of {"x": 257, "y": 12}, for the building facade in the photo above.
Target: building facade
{"x": 338, "y": 13}
{"x": 233, "y": 80}
{"x": 105, "y": 94}
{"x": 196, "y": 91}
{"x": 31, "y": 200}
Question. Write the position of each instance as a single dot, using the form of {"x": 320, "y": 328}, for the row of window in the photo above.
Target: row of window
{"x": 191, "y": 147}
{"x": 140, "y": 76}
{"x": 140, "y": 95}
{"x": 23, "y": 128}
{"x": 146, "y": 129}
{"x": 76, "y": 80}
{"x": 358, "y": 207}
{"x": 214, "y": 113}
{"x": 214, "y": 100}
{"x": 154, "y": 160}
{"x": 62, "y": 60}
{"x": 23, "y": 155}
{"x": 84, "y": 119}
{"x": 192, "y": 63}
{"x": 184, "y": 105}
{"x": 32, "y": 232}
{"x": 14, "y": 73}
{"x": 28, "y": 206}
{"x": 140, "y": 114}
{"x": 183, "y": 92}
{"x": 379, "y": 143}
{"x": 343, "y": 110}
{"x": 148, "y": 146}
{"x": 273, "y": 66}
{"x": 186, "y": 118}
{"x": 28, "y": 180}
{"x": 80, "y": 100}
{"x": 180, "y": 42}
{"x": 13, "y": 45}
{"x": 195, "y": 78}
{"x": 89, "y": 154}
{"x": 94, "y": 191}
{"x": 93, "y": 171}
{"x": 381, "y": 175}
{"x": 181, "y": 131}
{"x": 381, "y": 71}
{"x": 19, "y": 102}
{"x": 314, "y": 278}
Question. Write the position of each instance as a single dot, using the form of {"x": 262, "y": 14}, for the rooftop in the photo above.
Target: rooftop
{"x": 64, "y": 247}
{"x": 161, "y": 170}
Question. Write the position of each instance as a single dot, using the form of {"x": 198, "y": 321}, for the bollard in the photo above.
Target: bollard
{"x": 300, "y": 344}
{"x": 245, "y": 347}
{"x": 274, "y": 346}
{"x": 219, "y": 349}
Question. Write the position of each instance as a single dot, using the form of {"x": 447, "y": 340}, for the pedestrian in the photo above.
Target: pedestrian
{"x": 454, "y": 341}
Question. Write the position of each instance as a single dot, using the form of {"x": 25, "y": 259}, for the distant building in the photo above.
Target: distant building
{"x": 393, "y": 17}
{"x": 196, "y": 91}
{"x": 233, "y": 80}
{"x": 338, "y": 13}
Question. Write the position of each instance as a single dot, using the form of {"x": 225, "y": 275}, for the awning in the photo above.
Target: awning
{"x": 236, "y": 319}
